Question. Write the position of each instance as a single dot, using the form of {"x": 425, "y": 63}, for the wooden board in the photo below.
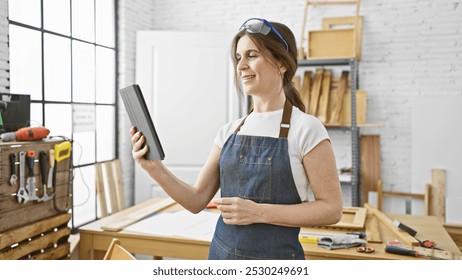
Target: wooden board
{"x": 337, "y": 102}
{"x": 337, "y": 22}
{"x": 45, "y": 239}
{"x": 14, "y": 214}
{"x": 306, "y": 89}
{"x": 372, "y": 229}
{"x": 437, "y": 206}
{"x": 361, "y": 102}
{"x": 119, "y": 184}
{"x": 352, "y": 218}
{"x": 369, "y": 164}
{"x": 100, "y": 192}
{"x": 333, "y": 43}
{"x": 406, "y": 237}
{"x": 315, "y": 92}
{"x": 138, "y": 215}
{"x": 324, "y": 98}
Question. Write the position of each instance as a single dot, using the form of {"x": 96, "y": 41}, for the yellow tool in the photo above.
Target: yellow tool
{"x": 62, "y": 151}
{"x": 308, "y": 239}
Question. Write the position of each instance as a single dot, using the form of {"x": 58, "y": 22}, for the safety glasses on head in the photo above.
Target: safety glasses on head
{"x": 261, "y": 26}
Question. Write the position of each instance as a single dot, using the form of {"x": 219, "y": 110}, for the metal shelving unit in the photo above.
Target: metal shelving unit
{"x": 353, "y": 128}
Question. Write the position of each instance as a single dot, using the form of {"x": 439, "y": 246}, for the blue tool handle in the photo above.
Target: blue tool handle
{"x": 400, "y": 251}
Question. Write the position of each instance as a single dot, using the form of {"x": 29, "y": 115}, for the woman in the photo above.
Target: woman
{"x": 263, "y": 163}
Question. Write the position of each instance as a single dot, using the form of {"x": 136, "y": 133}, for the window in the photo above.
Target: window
{"x": 63, "y": 54}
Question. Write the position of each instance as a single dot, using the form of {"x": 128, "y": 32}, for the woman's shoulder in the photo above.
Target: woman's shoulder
{"x": 302, "y": 119}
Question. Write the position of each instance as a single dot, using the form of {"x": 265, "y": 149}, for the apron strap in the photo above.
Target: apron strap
{"x": 285, "y": 122}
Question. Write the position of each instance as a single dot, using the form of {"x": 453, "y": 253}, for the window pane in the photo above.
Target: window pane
{"x": 105, "y": 132}
{"x": 83, "y": 72}
{"x": 36, "y": 111}
{"x": 56, "y": 16}
{"x": 58, "y": 119}
{"x": 84, "y": 195}
{"x": 25, "y": 62}
{"x": 25, "y": 11}
{"x": 105, "y": 23}
{"x": 105, "y": 75}
{"x": 57, "y": 62}
{"x": 84, "y": 147}
{"x": 83, "y": 20}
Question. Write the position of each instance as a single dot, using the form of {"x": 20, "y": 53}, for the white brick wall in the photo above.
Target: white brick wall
{"x": 133, "y": 15}
{"x": 4, "y": 51}
{"x": 409, "y": 48}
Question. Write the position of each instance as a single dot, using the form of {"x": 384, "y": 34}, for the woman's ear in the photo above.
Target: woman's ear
{"x": 282, "y": 69}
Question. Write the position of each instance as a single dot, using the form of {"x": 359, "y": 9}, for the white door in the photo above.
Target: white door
{"x": 187, "y": 81}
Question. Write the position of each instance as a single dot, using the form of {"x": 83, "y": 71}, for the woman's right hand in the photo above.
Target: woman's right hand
{"x": 138, "y": 151}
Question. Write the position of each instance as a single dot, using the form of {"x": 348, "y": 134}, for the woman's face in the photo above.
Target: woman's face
{"x": 258, "y": 75}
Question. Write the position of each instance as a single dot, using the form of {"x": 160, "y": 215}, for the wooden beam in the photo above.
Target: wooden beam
{"x": 406, "y": 237}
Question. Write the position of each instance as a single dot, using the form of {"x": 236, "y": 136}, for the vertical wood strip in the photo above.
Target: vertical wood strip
{"x": 100, "y": 193}
{"x": 119, "y": 184}
{"x": 111, "y": 187}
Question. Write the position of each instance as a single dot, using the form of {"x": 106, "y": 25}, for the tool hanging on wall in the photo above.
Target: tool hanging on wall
{"x": 31, "y": 183}
{"x": 26, "y": 134}
{"x": 13, "y": 177}
{"x": 43, "y": 172}
{"x": 22, "y": 192}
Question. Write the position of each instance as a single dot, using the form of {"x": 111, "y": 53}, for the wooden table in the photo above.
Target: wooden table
{"x": 94, "y": 241}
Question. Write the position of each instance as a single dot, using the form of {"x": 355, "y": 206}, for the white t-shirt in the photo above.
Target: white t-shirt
{"x": 305, "y": 133}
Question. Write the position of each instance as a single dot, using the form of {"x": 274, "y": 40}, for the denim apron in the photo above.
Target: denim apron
{"x": 257, "y": 168}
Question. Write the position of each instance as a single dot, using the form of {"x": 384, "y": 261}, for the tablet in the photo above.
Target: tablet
{"x": 140, "y": 118}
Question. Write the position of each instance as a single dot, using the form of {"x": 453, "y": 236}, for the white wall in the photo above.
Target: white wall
{"x": 4, "y": 51}
{"x": 410, "y": 48}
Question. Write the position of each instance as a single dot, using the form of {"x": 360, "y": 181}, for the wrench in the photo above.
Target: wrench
{"x": 22, "y": 193}
{"x": 43, "y": 171}
{"x": 13, "y": 177}
{"x": 30, "y": 185}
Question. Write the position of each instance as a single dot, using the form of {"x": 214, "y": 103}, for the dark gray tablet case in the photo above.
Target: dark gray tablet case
{"x": 140, "y": 118}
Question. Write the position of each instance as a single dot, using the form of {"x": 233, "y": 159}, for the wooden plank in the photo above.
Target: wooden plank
{"x": 119, "y": 184}
{"x": 110, "y": 186}
{"x": 324, "y": 98}
{"x": 437, "y": 198}
{"x": 100, "y": 193}
{"x": 315, "y": 92}
{"x": 369, "y": 164}
{"x": 372, "y": 229}
{"x": 406, "y": 237}
{"x": 332, "y": 23}
{"x": 352, "y": 218}
{"x": 34, "y": 245}
{"x": 55, "y": 253}
{"x": 138, "y": 215}
{"x": 339, "y": 95}
{"x": 333, "y": 43}
{"x": 361, "y": 104}
{"x": 25, "y": 232}
{"x": 306, "y": 88}
{"x": 455, "y": 231}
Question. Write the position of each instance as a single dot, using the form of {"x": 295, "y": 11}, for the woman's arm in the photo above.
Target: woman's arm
{"x": 321, "y": 169}
{"x": 194, "y": 198}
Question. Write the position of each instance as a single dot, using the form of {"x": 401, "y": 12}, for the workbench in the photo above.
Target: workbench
{"x": 94, "y": 241}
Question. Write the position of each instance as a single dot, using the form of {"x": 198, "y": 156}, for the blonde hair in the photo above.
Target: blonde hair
{"x": 274, "y": 49}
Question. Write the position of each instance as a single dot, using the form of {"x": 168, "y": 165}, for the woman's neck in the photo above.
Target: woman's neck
{"x": 263, "y": 104}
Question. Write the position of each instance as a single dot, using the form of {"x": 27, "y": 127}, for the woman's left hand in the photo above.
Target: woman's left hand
{"x": 238, "y": 211}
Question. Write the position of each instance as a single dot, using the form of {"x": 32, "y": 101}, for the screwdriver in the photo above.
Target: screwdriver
{"x": 401, "y": 251}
